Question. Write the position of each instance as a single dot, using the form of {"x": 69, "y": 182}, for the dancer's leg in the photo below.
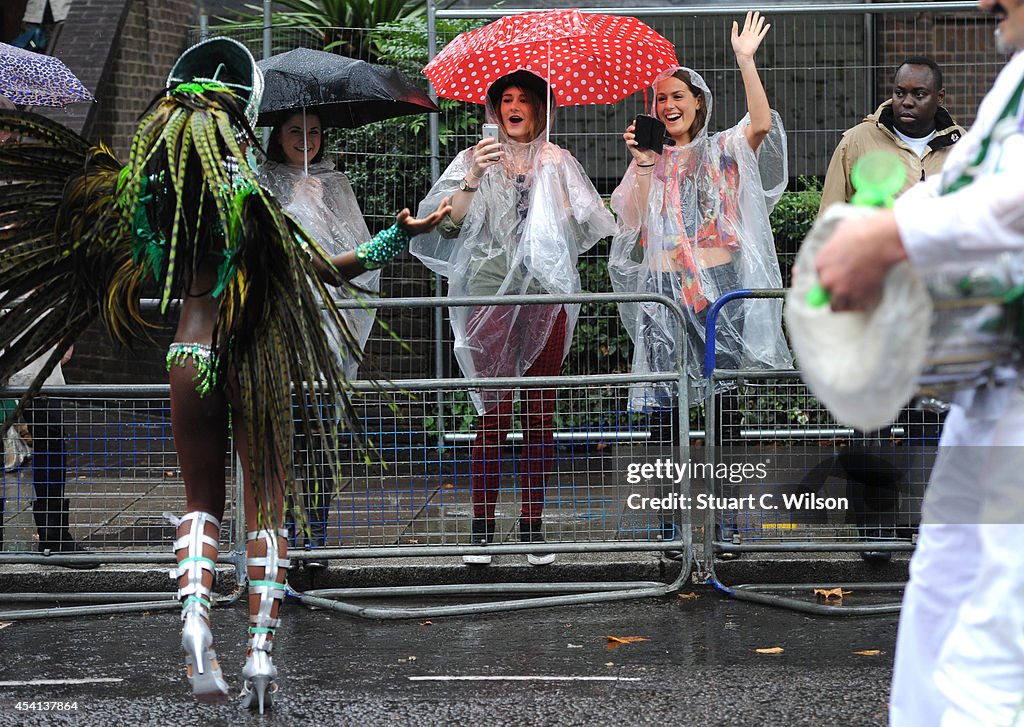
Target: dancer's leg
{"x": 200, "y": 427}
{"x": 266, "y": 565}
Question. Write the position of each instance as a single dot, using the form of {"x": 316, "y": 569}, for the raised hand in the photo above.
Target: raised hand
{"x": 417, "y": 226}
{"x": 746, "y": 43}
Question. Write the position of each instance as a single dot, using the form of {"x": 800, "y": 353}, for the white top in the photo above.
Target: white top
{"x": 25, "y": 376}
{"x": 982, "y": 221}
{"x": 35, "y": 9}
{"x": 919, "y": 145}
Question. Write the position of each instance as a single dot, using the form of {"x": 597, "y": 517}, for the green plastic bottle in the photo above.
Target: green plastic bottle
{"x": 876, "y": 179}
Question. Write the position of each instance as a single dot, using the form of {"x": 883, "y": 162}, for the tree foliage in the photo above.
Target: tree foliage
{"x": 339, "y": 26}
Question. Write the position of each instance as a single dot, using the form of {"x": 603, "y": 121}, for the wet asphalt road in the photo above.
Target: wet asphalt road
{"x": 699, "y": 667}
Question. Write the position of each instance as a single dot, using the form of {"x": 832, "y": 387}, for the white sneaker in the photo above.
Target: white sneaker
{"x": 532, "y": 531}
{"x": 483, "y": 533}
{"x": 482, "y": 559}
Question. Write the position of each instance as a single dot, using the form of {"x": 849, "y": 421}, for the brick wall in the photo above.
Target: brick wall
{"x": 153, "y": 35}
{"x": 961, "y": 43}
{"x": 122, "y": 50}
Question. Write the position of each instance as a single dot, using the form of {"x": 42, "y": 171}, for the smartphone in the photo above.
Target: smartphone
{"x": 490, "y": 131}
{"x": 650, "y": 133}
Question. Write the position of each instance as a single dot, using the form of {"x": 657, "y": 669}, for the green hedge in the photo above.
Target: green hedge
{"x": 792, "y": 219}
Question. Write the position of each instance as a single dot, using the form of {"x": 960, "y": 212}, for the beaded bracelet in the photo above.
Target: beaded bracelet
{"x": 383, "y": 248}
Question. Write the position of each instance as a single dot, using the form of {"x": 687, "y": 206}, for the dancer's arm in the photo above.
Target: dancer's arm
{"x": 384, "y": 247}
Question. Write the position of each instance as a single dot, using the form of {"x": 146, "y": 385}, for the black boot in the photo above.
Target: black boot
{"x": 65, "y": 542}
{"x": 318, "y": 510}
{"x": 55, "y": 534}
{"x": 483, "y": 535}
{"x": 532, "y": 531}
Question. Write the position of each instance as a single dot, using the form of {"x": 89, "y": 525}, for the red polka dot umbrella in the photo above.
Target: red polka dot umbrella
{"x": 586, "y": 58}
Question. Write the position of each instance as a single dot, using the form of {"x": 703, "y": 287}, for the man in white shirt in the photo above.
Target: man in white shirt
{"x": 960, "y": 649}
{"x": 912, "y": 125}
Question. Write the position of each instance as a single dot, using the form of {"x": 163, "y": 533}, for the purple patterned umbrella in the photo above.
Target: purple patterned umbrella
{"x": 34, "y": 79}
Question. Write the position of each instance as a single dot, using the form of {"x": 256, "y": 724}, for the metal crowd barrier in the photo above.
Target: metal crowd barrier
{"x": 871, "y": 484}
{"x": 413, "y": 504}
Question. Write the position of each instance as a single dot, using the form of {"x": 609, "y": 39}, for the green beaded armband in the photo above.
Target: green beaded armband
{"x": 383, "y": 248}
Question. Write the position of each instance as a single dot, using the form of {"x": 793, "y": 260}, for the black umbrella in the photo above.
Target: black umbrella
{"x": 343, "y": 92}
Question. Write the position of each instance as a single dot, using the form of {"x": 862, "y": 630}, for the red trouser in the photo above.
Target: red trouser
{"x": 538, "y": 406}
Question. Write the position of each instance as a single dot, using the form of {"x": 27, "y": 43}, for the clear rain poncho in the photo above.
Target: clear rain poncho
{"x": 323, "y": 202}
{"x": 527, "y": 224}
{"x": 715, "y": 192}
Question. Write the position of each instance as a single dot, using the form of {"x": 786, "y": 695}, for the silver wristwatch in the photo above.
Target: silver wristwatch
{"x": 465, "y": 187}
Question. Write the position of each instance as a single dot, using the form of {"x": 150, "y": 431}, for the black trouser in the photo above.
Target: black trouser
{"x": 50, "y": 509}
{"x": 314, "y": 466}
{"x": 877, "y": 471}
{"x": 729, "y": 340}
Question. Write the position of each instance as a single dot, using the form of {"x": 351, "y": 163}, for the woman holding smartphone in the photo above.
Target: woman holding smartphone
{"x": 693, "y": 225}
{"x": 523, "y": 210}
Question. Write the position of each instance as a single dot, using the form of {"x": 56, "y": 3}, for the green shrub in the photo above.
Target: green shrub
{"x": 792, "y": 219}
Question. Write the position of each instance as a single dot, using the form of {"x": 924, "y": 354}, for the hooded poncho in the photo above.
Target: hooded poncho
{"x": 323, "y": 202}
{"x": 712, "y": 192}
{"x": 524, "y": 231}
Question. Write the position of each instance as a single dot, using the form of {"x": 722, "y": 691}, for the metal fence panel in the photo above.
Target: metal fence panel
{"x": 122, "y": 475}
{"x": 414, "y": 489}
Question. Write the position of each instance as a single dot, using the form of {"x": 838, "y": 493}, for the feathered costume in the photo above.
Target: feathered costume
{"x": 81, "y": 235}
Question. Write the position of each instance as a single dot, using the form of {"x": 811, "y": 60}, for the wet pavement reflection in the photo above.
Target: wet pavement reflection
{"x": 699, "y": 665}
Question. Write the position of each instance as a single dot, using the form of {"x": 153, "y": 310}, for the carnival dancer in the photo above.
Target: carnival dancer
{"x": 523, "y": 210}
{"x": 960, "y": 646}
{"x": 81, "y": 234}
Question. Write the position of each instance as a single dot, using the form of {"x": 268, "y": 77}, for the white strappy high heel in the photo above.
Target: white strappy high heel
{"x": 259, "y": 673}
{"x": 201, "y": 665}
